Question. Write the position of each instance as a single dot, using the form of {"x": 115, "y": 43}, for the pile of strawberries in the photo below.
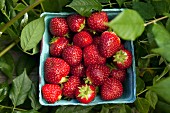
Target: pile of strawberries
{"x": 85, "y": 60}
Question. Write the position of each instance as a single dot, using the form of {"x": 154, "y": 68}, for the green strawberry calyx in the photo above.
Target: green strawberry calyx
{"x": 81, "y": 26}
{"x": 85, "y": 91}
{"x": 120, "y": 57}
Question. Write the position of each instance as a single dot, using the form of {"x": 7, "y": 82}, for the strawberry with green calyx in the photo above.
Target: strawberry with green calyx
{"x": 119, "y": 74}
{"x": 82, "y": 39}
{"x": 56, "y": 70}
{"x": 123, "y": 59}
{"x": 70, "y": 86}
{"x": 96, "y": 74}
{"x": 97, "y": 21}
{"x": 85, "y": 93}
{"x": 92, "y": 56}
{"x": 76, "y": 22}
{"x": 57, "y": 45}
{"x": 109, "y": 44}
{"x": 72, "y": 55}
{"x": 58, "y": 27}
{"x": 51, "y": 93}
{"x": 111, "y": 89}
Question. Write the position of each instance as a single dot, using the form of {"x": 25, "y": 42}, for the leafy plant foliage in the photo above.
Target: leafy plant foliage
{"x": 146, "y": 22}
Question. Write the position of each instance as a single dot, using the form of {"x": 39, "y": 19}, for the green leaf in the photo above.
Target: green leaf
{"x": 168, "y": 25}
{"x": 85, "y": 7}
{"x": 2, "y": 4}
{"x": 161, "y": 35}
{"x": 104, "y": 110}
{"x": 32, "y": 34}
{"x": 104, "y": 1}
{"x": 161, "y": 88}
{"x": 33, "y": 96}
{"x": 3, "y": 91}
{"x": 125, "y": 109}
{"x": 120, "y": 2}
{"x": 128, "y": 24}
{"x": 140, "y": 84}
{"x": 142, "y": 105}
{"x": 161, "y": 7}
{"x": 152, "y": 98}
{"x": 163, "y": 51}
{"x": 50, "y": 5}
{"x": 147, "y": 11}
{"x": 162, "y": 107}
{"x": 74, "y": 109}
{"x": 29, "y": 111}
{"x": 20, "y": 7}
{"x": 7, "y": 64}
{"x": 20, "y": 88}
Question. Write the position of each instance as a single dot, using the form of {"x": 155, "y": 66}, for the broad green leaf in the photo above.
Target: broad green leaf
{"x": 104, "y": 110}
{"x": 25, "y": 62}
{"x": 161, "y": 7}
{"x": 50, "y": 5}
{"x": 161, "y": 88}
{"x": 74, "y": 109}
{"x": 3, "y": 91}
{"x": 142, "y": 105}
{"x": 140, "y": 84}
{"x": 7, "y": 64}
{"x": 104, "y": 1}
{"x": 161, "y": 35}
{"x": 85, "y": 7}
{"x": 152, "y": 98}
{"x": 20, "y": 88}
{"x": 147, "y": 11}
{"x": 120, "y": 2}
{"x": 125, "y": 109}
{"x": 162, "y": 107}
{"x": 168, "y": 25}
{"x": 20, "y": 7}
{"x": 32, "y": 34}
{"x": 128, "y": 24}
{"x": 33, "y": 96}
{"x": 29, "y": 111}
{"x": 163, "y": 51}
{"x": 2, "y": 4}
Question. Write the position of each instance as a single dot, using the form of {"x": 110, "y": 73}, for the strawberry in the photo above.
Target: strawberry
{"x": 58, "y": 26}
{"x": 57, "y": 45}
{"x": 123, "y": 59}
{"x": 51, "y": 92}
{"x": 70, "y": 86}
{"x": 85, "y": 93}
{"x": 78, "y": 70}
{"x": 96, "y": 40}
{"x": 91, "y": 56}
{"x": 119, "y": 74}
{"x": 82, "y": 39}
{"x": 72, "y": 55}
{"x": 97, "y": 21}
{"x": 111, "y": 89}
{"x": 76, "y": 22}
{"x": 56, "y": 69}
{"x": 109, "y": 44}
{"x": 96, "y": 74}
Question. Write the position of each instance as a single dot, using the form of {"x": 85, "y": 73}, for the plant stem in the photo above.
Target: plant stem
{"x": 142, "y": 92}
{"x": 20, "y": 15}
{"x": 154, "y": 21}
{"x": 8, "y": 107}
{"x": 9, "y": 47}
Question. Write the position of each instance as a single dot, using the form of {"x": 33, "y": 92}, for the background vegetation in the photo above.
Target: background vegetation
{"x": 146, "y": 21}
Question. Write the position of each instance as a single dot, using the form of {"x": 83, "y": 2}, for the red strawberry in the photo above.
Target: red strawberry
{"x": 56, "y": 70}
{"x": 97, "y": 21}
{"x": 96, "y": 40}
{"x": 78, "y": 70}
{"x": 76, "y": 22}
{"x": 72, "y": 55}
{"x": 123, "y": 59}
{"x": 51, "y": 92}
{"x": 96, "y": 74}
{"x": 109, "y": 44}
{"x": 57, "y": 45}
{"x": 85, "y": 93}
{"x": 58, "y": 26}
{"x": 70, "y": 86}
{"x": 111, "y": 89}
{"x": 82, "y": 39}
{"x": 119, "y": 74}
{"x": 91, "y": 56}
